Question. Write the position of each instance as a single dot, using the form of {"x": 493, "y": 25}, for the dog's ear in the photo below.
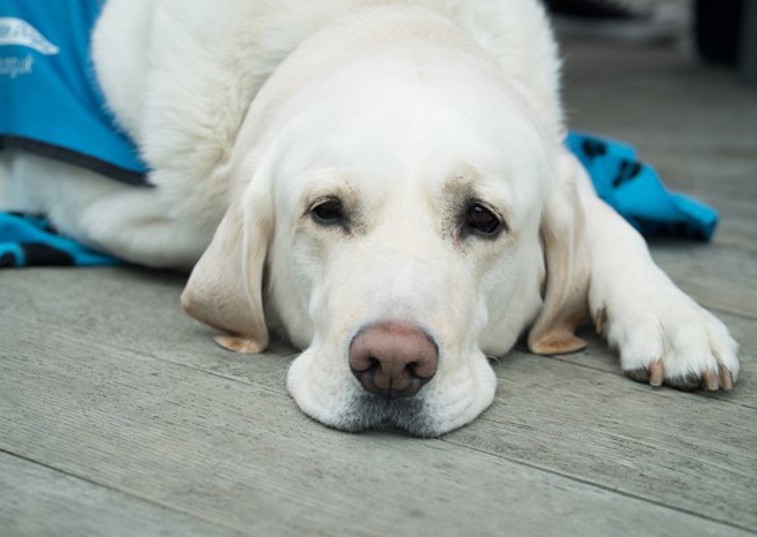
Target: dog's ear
{"x": 225, "y": 287}
{"x": 567, "y": 260}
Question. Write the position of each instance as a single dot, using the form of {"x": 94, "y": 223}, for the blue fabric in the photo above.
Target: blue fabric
{"x": 50, "y": 100}
{"x": 634, "y": 189}
{"x": 27, "y": 240}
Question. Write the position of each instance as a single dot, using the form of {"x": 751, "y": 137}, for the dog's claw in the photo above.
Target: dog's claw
{"x": 726, "y": 379}
{"x": 656, "y": 374}
{"x": 710, "y": 381}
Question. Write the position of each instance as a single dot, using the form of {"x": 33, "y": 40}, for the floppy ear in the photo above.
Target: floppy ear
{"x": 225, "y": 287}
{"x": 567, "y": 259}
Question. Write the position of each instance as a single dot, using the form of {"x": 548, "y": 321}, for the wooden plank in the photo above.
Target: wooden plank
{"x": 242, "y": 456}
{"x": 718, "y": 278}
{"x": 133, "y": 309}
{"x": 707, "y": 169}
{"x": 657, "y": 100}
{"x": 39, "y": 501}
{"x": 737, "y": 233}
{"x": 678, "y": 449}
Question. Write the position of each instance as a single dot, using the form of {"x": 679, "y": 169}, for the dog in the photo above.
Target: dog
{"x": 382, "y": 183}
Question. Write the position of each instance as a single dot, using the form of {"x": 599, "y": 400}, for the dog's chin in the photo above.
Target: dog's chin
{"x": 367, "y": 412}
{"x": 360, "y": 411}
{"x": 415, "y": 416}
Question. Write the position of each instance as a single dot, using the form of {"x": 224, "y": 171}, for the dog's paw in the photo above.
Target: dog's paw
{"x": 667, "y": 338}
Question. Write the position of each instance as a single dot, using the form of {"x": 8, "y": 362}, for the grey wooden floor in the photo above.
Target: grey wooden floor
{"x": 119, "y": 416}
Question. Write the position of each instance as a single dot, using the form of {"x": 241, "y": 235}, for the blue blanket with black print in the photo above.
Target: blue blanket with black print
{"x": 634, "y": 190}
{"x": 29, "y": 240}
{"x": 630, "y": 186}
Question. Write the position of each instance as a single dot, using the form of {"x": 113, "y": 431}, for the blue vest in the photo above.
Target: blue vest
{"x": 50, "y": 103}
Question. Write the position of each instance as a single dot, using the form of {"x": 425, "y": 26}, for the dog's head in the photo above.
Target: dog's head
{"x": 400, "y": 216}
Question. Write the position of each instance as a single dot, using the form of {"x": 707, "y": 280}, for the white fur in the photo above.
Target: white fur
{"x": 249, "y": 111}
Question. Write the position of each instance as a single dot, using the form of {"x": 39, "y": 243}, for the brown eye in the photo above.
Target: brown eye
{"x": 328, "y": 213}
{"x": 482, "y": 221}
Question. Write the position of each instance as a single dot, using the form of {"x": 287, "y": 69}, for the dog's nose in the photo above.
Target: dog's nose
{"x": 393, "y": 359}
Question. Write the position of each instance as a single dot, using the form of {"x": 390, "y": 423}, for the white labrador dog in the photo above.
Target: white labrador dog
{"x": 385, "y": 185}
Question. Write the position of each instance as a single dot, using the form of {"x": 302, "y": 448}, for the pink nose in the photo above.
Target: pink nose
{"x": 393, "y": 359}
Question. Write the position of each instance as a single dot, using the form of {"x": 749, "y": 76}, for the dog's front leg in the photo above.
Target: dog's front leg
{"x": 661, "y": 334}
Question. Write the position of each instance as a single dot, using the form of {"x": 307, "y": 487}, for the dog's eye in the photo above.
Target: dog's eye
{"x": 328, "y": 212}
{"x": 482, "y": 221}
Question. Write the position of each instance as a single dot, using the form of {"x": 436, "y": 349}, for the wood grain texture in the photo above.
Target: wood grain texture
{"x": 605, "y": 429}
{"x": 242, "y": 456}
{"x": 717, "y": 277}
{"x": 36, "y": 500}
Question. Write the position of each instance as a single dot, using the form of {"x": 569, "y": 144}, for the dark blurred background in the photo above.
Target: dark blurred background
{"x": 722, "y": 32}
